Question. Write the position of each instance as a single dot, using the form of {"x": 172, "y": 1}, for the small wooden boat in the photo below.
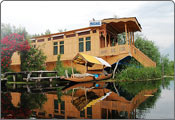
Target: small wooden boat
{"x": 88, "y": 78}
{"x": 90, "y": 75}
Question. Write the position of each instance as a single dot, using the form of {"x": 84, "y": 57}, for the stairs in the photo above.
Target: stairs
{"x": 141, "y": 57}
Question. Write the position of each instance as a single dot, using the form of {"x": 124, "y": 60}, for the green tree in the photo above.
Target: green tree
{"x": 168, "y": 66}
{"x": 47, "y": 32}
{"x": 148, "y": 48}
{"x": 61, "y": 30}
{"x": 7, "y": 29}
{"x": 32, "y": 101}
{"x": 59, "y": 67}
{"x": 33, "y": 60}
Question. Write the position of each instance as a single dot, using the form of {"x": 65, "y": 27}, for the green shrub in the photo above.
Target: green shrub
{"x": 133, "y": 73}
{"x": 61, "y": 69}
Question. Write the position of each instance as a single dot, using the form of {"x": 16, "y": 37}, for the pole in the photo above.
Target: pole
{"x": 72, "y": 69}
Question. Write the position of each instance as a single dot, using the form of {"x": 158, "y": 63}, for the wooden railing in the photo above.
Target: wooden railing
{"x": 141, "y": 57}
{"x": 114, "y": 50}
{"x": 136, "y": 53}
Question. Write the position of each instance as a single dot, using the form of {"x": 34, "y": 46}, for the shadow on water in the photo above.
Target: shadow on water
{"x": 97, "y": 100}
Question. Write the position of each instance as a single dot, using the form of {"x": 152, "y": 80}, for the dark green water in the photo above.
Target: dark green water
{"x": 92, "y": 100}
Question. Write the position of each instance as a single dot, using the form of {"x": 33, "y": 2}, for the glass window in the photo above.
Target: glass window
{"x": 82, "y": 113}
{"x": 88, "y": 43}
{"x": 89, "y": 112}
{"x": 61, "y": 47}
{"x": 49, "y": 39}
{"x": 55, "y": 48}
{"x": 81, "y": 44}
{"x": 62, "y": 107}
{"x": 55, "y": 104}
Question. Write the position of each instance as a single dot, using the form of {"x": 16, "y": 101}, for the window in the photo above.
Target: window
{"x": 82, "y": 113}
{"x": 61, "y": 47}
{"x": 62, "y": 107}
{"x": 34, "y": 46}
{"x": 89, "y": 112}
{"x": 71, "y": 35}
{"x": 55, "y": 48}
{"x": 84, "y": 33}
{"x": 81, "y": 44}
{"x": 40, "y": 40}
{"x": 33, "y": 41}
{"x": 58, "y": 37}
{"x": 49, "y": 39}
{"x": 94, "y": 31}
{"x": 50, "y": 115}
{"x": 41, "y": 113}
{"x": 88, "y": 43}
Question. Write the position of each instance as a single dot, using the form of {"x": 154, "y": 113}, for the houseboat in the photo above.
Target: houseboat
{"x": 100, "y": 39}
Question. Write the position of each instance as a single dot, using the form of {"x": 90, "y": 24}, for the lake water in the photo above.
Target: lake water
{"x": 92, "y": 100}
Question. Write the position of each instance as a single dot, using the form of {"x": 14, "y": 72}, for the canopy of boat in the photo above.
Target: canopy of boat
{"x": 82, "y": 59}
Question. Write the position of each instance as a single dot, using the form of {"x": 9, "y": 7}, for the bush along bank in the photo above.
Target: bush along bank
{"x": 133, "y": 73}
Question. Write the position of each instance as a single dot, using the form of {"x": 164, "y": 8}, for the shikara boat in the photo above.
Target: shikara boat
{"x": 90, "y": 75}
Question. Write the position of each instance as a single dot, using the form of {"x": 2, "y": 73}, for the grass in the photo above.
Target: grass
{"x": 133, "y": 73}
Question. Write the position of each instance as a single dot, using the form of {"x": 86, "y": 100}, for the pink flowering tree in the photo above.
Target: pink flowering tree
{"x": 9, "y": 45}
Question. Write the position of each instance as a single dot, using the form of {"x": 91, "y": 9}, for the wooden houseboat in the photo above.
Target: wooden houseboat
{"x": 99, "y": 40}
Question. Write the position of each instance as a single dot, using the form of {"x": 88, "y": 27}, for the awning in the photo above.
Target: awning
{"x": 81, "y": 58}
{"x": 93, "y": 102}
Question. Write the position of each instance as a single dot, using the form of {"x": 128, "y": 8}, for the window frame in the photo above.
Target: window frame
{"x": 82, "y": 44}
{"x": 55, "y": 46}
{"x": 88, "y": 41}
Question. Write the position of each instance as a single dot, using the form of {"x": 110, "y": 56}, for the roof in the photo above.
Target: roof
{"x": 118, "y": 23}
{"x": 81, "y": 58}
{"x": 68, "y": 32}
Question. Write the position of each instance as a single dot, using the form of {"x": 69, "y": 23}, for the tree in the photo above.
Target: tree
{"x": 59, "y": 67}
{"x": 148, "y": 48}
{"x": 32, "y": 60}
{"x": 7, "y": 29}
{"x": 61, "y": 30}
{"x": 47, "y": 32}
{"x": 9, "y": 45}
{"x": 168, "y": 66}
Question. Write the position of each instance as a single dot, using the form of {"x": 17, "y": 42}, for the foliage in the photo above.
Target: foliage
{"x": 150, "y": 102}
{"x": 121, "y": 38}
{"x": 61, "y": 30}
{"x": 168, "y": 66}
{"x": 59, "y": 94}
{"x": 32, "y": 101}
{"x": 148, "y": 48}
{"x": 32, "y": 60}
{"x": 9, "y": 45}
{"x": 126, "y": 88}
{"x": 7, "y": 29}
{"x": 9, "y": 111}
{"x": 134, "y": 73}
{"x": 61, "y": 69}
{"x": 47, "y": 32}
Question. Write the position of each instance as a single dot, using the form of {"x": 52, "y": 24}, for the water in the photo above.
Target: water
{"x": 92, "y": 100}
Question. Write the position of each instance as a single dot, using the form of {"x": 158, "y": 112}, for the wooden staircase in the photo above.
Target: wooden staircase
{"x": 141, "y": 57}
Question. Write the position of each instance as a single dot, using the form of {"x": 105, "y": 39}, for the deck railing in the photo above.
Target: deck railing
{"x": 141, "y": 57}
{"x": 114, "y": 50}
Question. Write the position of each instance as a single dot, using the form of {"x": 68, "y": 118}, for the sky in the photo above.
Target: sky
{"x": 155, "y": 17}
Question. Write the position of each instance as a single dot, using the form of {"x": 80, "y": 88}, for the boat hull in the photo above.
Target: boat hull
{"x": 89, "y": 78}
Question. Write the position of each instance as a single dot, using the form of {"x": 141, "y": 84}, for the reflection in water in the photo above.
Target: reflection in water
{"x": 98, "y": 100}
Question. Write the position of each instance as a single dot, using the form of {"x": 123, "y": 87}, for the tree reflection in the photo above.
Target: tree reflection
{"x": 33, "y": 101}
{"x": 24, "y": 108}
{"x": 9, "y": 111}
